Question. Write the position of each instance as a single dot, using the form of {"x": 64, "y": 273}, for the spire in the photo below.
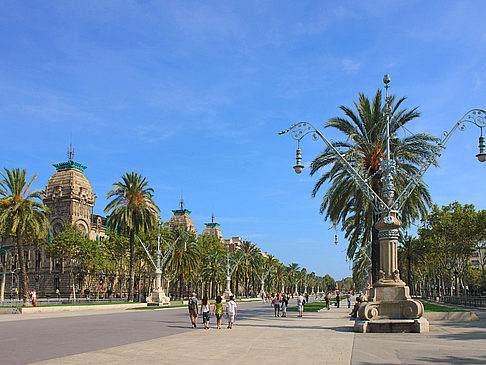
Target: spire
{"x": 212, "y": 224}
{"x": 70, "y": 153}
{"x": 182, "y": 210}
{"x": 70, "y": 163}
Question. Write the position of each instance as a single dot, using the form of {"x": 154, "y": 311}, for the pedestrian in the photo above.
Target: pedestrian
{"x": 327, "y": 298}
{"x": 218, "y": 311}
{"x": 231, "y": 311}
{"x": 58, "y": 293}
{"x": 348, "y": 297}
{"x": 338, "y": 299}
{"x": 193, "y": 309}
{"x": 300, "y": 304}
{"x": 206, "y": 312}
{"x": 263, "y": 297}
{"x": 33, "y": 296}
{"x": 306, "y": 297}
{"x": 276, "y": 306}
{"x": 285, "y": 303}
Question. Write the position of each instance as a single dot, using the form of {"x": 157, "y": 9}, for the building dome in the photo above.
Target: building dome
{"x": 182, "y": 220}
{"x": 212, "y": 229}
{"x": 70, "y": 198}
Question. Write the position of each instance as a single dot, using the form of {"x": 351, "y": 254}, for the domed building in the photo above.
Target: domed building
{"x": 70, "y": 198}
{"x": 182, "y": 220}
{"x": 212, "y": 229}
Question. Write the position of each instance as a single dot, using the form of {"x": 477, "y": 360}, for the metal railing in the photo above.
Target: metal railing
{"x": 59, "y": 301}
{"x": 466, "y": 301}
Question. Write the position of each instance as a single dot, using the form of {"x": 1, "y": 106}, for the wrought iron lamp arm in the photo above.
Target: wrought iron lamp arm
{"x": 474, "y": 116}
{"x": 301, "y": 129}
{"x": 166, "y": 256}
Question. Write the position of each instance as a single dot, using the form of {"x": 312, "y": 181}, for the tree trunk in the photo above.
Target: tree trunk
{"x": 4, "y": 279}
{"x": 131, "y": 281}
{"x": 23, "y": 272}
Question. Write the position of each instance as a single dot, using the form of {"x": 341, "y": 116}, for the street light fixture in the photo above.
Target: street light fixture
{"x": 298, "y": 159}
{"x": 390, "y": 297}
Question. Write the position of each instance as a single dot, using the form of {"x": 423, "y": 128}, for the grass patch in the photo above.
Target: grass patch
{"x": 429, "y": 307}
{"x": 63, "y": 305}
{"x": 309, "y": 307}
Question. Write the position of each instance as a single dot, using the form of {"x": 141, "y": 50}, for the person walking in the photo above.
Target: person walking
{"x": 263, "y": 298}
{"x": 285, "y": 303}
{"x": 193, "y": 309}
{"x": 338, "y": 299}
{"x": 33, "y": 296}
{"x": 206, "y": 312}
{"x": 327, "y": 298}
{"x": 306, "y": 297}
{"x": 300, "y": 304}
{"x": 218, "y": 311}
{"x": 231, "y": 311}
{"x": 276, "y": 306}
{"x": 348, "y": 297}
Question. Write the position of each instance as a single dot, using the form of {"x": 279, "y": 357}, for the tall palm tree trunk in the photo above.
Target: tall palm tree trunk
{"x": 131, "y": 281}
{"x": 23, "y": 272}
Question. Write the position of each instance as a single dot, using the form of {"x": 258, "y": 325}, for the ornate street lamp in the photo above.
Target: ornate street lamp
{"x": 390, "y": 306}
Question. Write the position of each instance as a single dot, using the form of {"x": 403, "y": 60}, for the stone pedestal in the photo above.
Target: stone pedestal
{"x": 226, "y": 295}
{"x": 389, "y": 307}
{"x": 158, "y": 298}
{"x": 392, "y": 325}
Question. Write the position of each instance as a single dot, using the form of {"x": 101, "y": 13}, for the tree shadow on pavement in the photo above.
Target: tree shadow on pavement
{"x": 452, "y": 360}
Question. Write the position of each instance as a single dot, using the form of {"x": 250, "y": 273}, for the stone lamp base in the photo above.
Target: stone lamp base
{"x": 391, "y": 309}
{"x": 158, "y": 298}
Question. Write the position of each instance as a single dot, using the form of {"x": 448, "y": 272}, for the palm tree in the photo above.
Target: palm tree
{"x": 364, "y": 149}
{"x": 22, "y": 214}
{"x": 185, "y": 259}
{"x": 132, "y": 210}
{"x": 293, "y": 270}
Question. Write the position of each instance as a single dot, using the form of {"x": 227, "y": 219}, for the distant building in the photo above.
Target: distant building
{"x": 182, "y": 220}
{"x": 233, "y": 243}
{"x": 212, "y": 229}
{"x": 478, "y": 257}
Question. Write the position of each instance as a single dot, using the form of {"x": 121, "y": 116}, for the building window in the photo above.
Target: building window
{"x": 56, "y": 264}
{"x": 26, "y": 259}
{"x": 37, "y": 260}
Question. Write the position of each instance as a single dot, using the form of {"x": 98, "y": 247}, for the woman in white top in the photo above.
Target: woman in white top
{"x": 206, "y": 312}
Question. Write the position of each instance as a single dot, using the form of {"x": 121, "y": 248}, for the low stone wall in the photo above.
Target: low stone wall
{"x": 451, "y": 316}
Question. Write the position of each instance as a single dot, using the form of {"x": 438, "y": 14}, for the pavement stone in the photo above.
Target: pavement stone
{"x": 317, "y": 338}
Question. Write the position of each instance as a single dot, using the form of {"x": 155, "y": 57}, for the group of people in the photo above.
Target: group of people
{"x": 280, "y": 303}
{"x": 338, "y": 297}
{"x": 206, "y": 311}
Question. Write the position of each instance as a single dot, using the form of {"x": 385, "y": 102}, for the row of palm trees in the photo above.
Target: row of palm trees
{"x": 195, "y": 262}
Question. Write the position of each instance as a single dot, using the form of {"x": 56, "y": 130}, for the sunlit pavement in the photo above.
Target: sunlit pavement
{"x": 165, "y": 337}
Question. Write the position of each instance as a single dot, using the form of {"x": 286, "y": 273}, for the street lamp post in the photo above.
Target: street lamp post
{"x": 229, "y": 271}
{"x": 389, "y": 306}
{"x": 158, "y": 296}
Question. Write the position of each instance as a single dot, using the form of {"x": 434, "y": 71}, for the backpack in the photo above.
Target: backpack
{"x": 191, "y": 305}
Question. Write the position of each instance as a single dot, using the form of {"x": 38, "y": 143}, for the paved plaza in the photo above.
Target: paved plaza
{"x": 164, "y": 337}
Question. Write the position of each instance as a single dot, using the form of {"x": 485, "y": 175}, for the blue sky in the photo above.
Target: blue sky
{"x": 192, "y": 94}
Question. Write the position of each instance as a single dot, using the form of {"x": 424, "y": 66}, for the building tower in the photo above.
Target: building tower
{"x": 182, "y": 220}
{"x": 70, "y": 198}
{"x": 212, "y": 229}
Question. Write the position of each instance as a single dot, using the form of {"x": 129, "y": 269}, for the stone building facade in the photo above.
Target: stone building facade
{"x": 182, "y": 220}
{"x": 70, "y": 199}
{"x": 212, "y": 229}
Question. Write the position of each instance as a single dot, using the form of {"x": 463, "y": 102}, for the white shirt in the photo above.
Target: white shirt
{"x": 300, "y": 300}
{"x": 231, "y": 305}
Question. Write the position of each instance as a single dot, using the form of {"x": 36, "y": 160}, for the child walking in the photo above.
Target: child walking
{"x": 218, "y": 311}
